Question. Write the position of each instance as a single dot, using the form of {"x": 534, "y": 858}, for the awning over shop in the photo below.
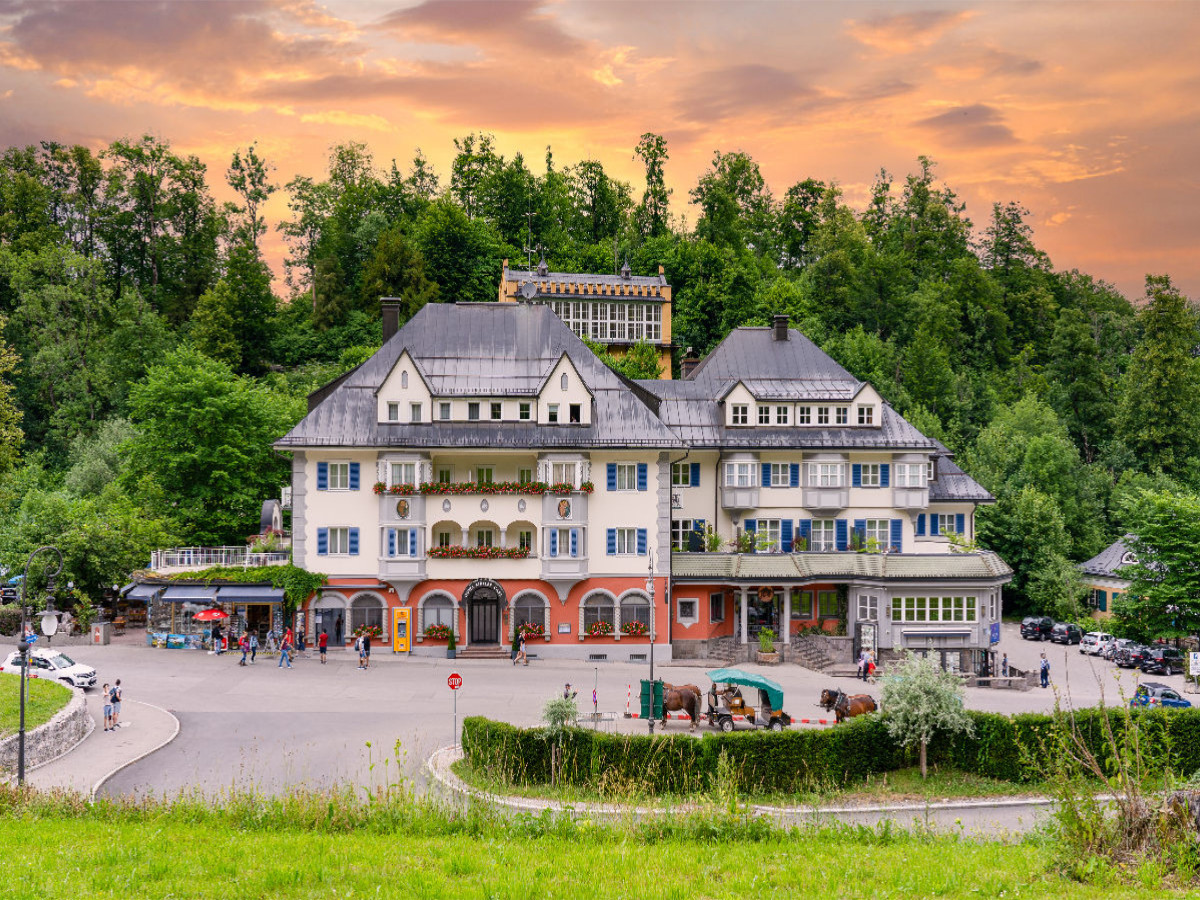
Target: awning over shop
{"x": 188, "y": 593}
{"x": 142, "y": 592}
{"x": 249, "y": 593}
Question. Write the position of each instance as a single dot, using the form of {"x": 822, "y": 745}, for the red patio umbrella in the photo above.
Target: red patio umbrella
{"x": 210, "y": 615}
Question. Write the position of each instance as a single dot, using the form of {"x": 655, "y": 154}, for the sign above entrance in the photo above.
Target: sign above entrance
{"x": 483, "y": 589}
{"x": 454, "y": 681}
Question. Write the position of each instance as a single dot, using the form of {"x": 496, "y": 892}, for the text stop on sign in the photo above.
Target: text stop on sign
{"x": 455, "y": 681}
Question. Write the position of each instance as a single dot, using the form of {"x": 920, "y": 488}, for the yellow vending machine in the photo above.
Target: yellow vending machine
{"x": 401, "y": 631}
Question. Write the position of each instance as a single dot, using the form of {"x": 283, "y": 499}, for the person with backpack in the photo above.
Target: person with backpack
{"x": 244, "y": 646}
{"x": 1045, "y": 671}
{"x": 366, "y": 650}
{"x": 114, "y": 697}
{"x": 285, "y": 649}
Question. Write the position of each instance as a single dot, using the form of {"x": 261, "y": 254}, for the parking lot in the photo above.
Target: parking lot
{"x": 268, "y": 728}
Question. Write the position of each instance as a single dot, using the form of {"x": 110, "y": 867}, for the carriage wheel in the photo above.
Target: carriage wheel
{"x": 726, "y": 724}
{"x": 776, "y": 725}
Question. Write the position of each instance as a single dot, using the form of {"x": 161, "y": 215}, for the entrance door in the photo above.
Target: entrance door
{"x": 485, "y": 621}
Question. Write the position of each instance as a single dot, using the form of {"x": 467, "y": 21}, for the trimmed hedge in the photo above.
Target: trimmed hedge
{"x": 1017, "y": 749}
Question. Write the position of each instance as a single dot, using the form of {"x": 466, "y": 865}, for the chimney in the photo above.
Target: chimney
{"x": 781, "y": 328}
{"x": 688, "y": 364}
{"x": 391, "y": 317}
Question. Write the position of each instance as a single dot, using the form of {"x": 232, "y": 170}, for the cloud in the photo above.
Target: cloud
{"x": 519, "y": 26}
{"x": 973, "y": 126}
{"x": 905, "y": 32}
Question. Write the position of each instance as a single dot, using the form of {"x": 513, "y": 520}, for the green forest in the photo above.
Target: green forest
{"x": 149, "y": 356}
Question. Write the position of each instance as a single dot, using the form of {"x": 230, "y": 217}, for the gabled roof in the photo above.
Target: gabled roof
{"x": 952, "y": 483}
{"x": 483, "y": 349}
{"x": 1107, "y": 563}
{"x": 753, "y": 353}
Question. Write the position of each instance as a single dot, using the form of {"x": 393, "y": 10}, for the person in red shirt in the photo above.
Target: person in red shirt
{"x": 322, "y": 645}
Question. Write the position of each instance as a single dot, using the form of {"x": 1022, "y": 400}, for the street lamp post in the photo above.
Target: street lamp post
{"x": 49, "y": 626}
{"x": 650, "y": 591}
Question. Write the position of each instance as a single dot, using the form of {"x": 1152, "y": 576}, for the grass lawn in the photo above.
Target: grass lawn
{"x": 887, "y": 787}
{"x": 44, "y": 699}
{"x": 434, "y": 855}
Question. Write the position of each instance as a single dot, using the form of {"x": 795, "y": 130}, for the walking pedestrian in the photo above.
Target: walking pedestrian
{"x": 337, "y": 632}
{"x": 244, "y": 646}
{"x": 216, "y": 639}
{"x": 107, "y": 709}
{"x": 1004, "y": 665}
{"x": 868, "y": 665}
{"x": 358, "y": 649}
{"x": 1045, "y": 670}
{"x": 323, "y": 644}
{"x": 285, "y": 649}
{"x": 521, "y": 657}
{"x": 115, "y": 698}
{"x": 367, "y": 650}
{"x": 253, "y": 646}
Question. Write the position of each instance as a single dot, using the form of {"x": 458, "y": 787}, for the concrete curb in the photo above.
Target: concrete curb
{"x": 439, "y": 762}
{"x": 91, "y": 727}
{"x": 65, "y": 720}
{"x": 174, "y": 734}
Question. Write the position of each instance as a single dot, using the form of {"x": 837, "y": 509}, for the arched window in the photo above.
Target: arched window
{"x": 529, "y": 609}
{"x": 438, "y": 611}
{"x": 404, "y": 378}
{"x": 366, "y": 609}
{"x": 563, "y": 381}
{"x": 597, "y": 608}
{"x": 635, "y": 608}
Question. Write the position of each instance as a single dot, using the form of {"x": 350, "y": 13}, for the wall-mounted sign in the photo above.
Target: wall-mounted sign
{"x": 483, "y": 589}
{"x": 564, "y": 627}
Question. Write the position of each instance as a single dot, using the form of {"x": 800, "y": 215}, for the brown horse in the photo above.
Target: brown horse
{"x": 845, "y": 706}
{"x": 682, "y": 687}
{"x": 681, "y": 699}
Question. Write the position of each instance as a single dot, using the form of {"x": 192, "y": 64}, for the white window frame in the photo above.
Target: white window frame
{"x": 739, "y": 414}
{"x": 880, "y": 530}
{"x": 764, "y": 415}
{"x": 485, "y": 537}
{"x": 393, "y": 411}
{"x": 870, "y": 474}
{"x": 681, "y": 532}
{"x": 399, "y": 477}
{"x": 681, "y": 474}
{"x": 826, "y": 475}
{"x": 823, "y": 535}
{"x": 496, "y": 411}
{"x": 822, "y": 415}
{"x": 868, "y": 608}
{"x": 959, "y": 608}
{"x": 739, "y": 474}
{"x": 687, "y": 610}
{"x": 448, "y": 471}
{"x": 484, "y": 474}
{"x": 525, "y": 411}
{"x": 339, "y": 476}
{"x": 444, "y": 411}
{"x": 402, "y": 542}
{"x": 947, "y": 523}
{"x": 782, "y": 415}
{"x": 339, "y": 541}
{"x": 626, "y": 544}
{"x": 769, "y": 532}
{"x": 525, "y": 540}
{"x": 552, "y": 413}
{"x": 627, "y": 476}
{"x": 473, "y": 411}
{"x": 804, "y": 415}
{"x": 841, "y": 415}
{"x": 414, "y": 410}
{"x": 563, "y": 473}
{"x": 866, "y": 415}
{"x": 444, "y": 539}
{"x": 909, "y": 475}
{"x": 524, "y": 475}
{"x": 781, "y": 475}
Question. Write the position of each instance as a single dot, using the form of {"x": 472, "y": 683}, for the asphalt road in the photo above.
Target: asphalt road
{"x": 268, "y": 729}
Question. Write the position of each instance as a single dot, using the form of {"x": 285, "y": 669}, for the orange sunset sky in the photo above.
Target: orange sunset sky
{"x": 1086, "y": 113}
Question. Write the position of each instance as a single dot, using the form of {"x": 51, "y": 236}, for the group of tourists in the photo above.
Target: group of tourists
{"x": 866, "y": 665}
{"x": 112, "y": 706}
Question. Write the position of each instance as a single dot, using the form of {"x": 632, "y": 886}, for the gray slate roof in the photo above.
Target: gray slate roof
{"x": 522, "y": 276}
{"x": 482, "y": 349}
{"x": 952, "y": 483}
{"x": 753, "y": 353}
{"x": 983, "y": 565}
{"x": 1107, "y": 562}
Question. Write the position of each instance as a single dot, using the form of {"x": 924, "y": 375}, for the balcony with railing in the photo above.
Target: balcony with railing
{"x": 194, "y": 559}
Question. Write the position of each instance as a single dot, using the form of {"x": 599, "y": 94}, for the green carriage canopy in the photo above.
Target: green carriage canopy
{"x": 748, "y": 679}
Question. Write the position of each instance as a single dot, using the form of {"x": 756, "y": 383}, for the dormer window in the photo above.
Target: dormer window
{"x": 866, "y": 415}
{"x": 415, "y": 409}
{"x": 393, "y": 412}
{"x": 575, "y": 411}
{"x": 822, "y": 415}
{"x": 524, "y": 411}
{"x": 473, "y": 412}
{"x": 764, "y": 415}
{"x": 740, "y": 414}
{"x": 781, "y": 415}
{"x": 842, "y": 415}
{"x": 497, "y": 411}
{"x": 552, "y": 414}
{"x": 803, "y": 415}
{"x": 444, "y": 412}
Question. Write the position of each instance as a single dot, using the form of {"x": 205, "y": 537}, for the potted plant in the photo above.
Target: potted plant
{"x": 450, "y": 649}
{"x": 767, "y": 654}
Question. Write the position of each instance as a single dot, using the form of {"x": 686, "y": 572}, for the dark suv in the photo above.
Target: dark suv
{"x": 1066, "y": 633}
{"x": 1037, "y": 628}
{"x": 1163, "y": 661}
{"x": 1130, "y": 656}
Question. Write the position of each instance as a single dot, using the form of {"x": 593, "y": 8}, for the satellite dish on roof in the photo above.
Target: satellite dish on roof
{"x": 529, "y": 290}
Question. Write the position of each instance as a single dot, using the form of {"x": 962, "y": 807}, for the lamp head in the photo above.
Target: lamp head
{"x": 49, "y": 623}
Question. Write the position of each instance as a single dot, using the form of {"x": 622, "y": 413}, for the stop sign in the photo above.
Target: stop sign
{"x": 455, "y": 681}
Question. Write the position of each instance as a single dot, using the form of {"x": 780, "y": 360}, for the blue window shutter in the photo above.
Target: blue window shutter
{"x": 960, "y": 523}
{"x": 696, "y": 538}
{"x": 641, "y": 542}
{"x": 611, "y": 538}
{"x": 885, "y": 475}
{"x": 785, "y": 535}
{"x": 574, "y": 541}
{"x": 612, "y": 476}
{"x": 354, "y": 476}
{"x": 766, "y": 475}
{"x": 856, "y": 475}
{"x": 933, "y": 524}
{"x": 805, "y": 528}
{"x": 839, "y": 534}
{"x": 354, "y": 542}
{"x": 1103, "y": 596}
{"x": 554, "y": 542}
{"x": 642, "y": 480}
{"x": 391, "y": 542}
{"x": 794, "y": 479}
{"x": 750, "y": 525}
{"x": 897, "y": 534}
{"x": 860, "y": 530}
{"x": 921, "y": 525}
{"x": 695, "y": 479}
{"x": 322, "y": 542}
{"x": 412, "y": 542}
{"x": 322, "y": 476}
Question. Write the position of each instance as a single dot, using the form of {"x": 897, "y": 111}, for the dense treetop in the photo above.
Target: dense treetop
{"x": 146, "y": 362}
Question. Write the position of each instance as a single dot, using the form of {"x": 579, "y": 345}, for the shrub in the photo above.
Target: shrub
{"x": 10, "y": 619}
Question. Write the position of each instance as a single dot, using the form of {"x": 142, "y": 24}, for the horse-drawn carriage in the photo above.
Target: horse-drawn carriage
{"x": 727, "y": 706}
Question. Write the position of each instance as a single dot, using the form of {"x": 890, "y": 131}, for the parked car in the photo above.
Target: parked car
{"x": 1037, "y": 628}
{"x": 52, "y": 664}
{"x": 1111, "y": 651}
{"x": 1130, "y": 656}
{"x": 1066, "y": 633}
{"x": 1152, "y": 693}
{"x": 1163, "y": 661}
{"x": 1095, "y": 642}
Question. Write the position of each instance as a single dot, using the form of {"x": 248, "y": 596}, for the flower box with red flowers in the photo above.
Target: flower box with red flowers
{"x": 457, "y": 552}
{"x": 532, "y": 630}
{"x": 373, "y": 631}
{"x": 599, "y": 629}
{"x": 437, "y": 632}
{"x": 635, "y": 629}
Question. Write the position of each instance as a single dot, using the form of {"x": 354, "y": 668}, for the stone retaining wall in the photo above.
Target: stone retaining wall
{"x": 69, "y": 726}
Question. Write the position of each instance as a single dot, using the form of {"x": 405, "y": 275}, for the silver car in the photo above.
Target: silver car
{"x": 52, "y": 664}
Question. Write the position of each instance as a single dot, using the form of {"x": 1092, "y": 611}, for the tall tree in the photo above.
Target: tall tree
{"x": 397, "y": 269}
{"x": 651, "y": 214}
{"x": 250, "y": 175}
{"x": 1163, "y": 599}
{"x": 736, "y": 207}
{"x": 11, "y": 436}
{"x": 1081, "y": 390}
{"x": 475, "y": 164}
{"x": 1159, "y": 407}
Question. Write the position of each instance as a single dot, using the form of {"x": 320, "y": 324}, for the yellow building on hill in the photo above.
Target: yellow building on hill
{"x": 616, "y": 311}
